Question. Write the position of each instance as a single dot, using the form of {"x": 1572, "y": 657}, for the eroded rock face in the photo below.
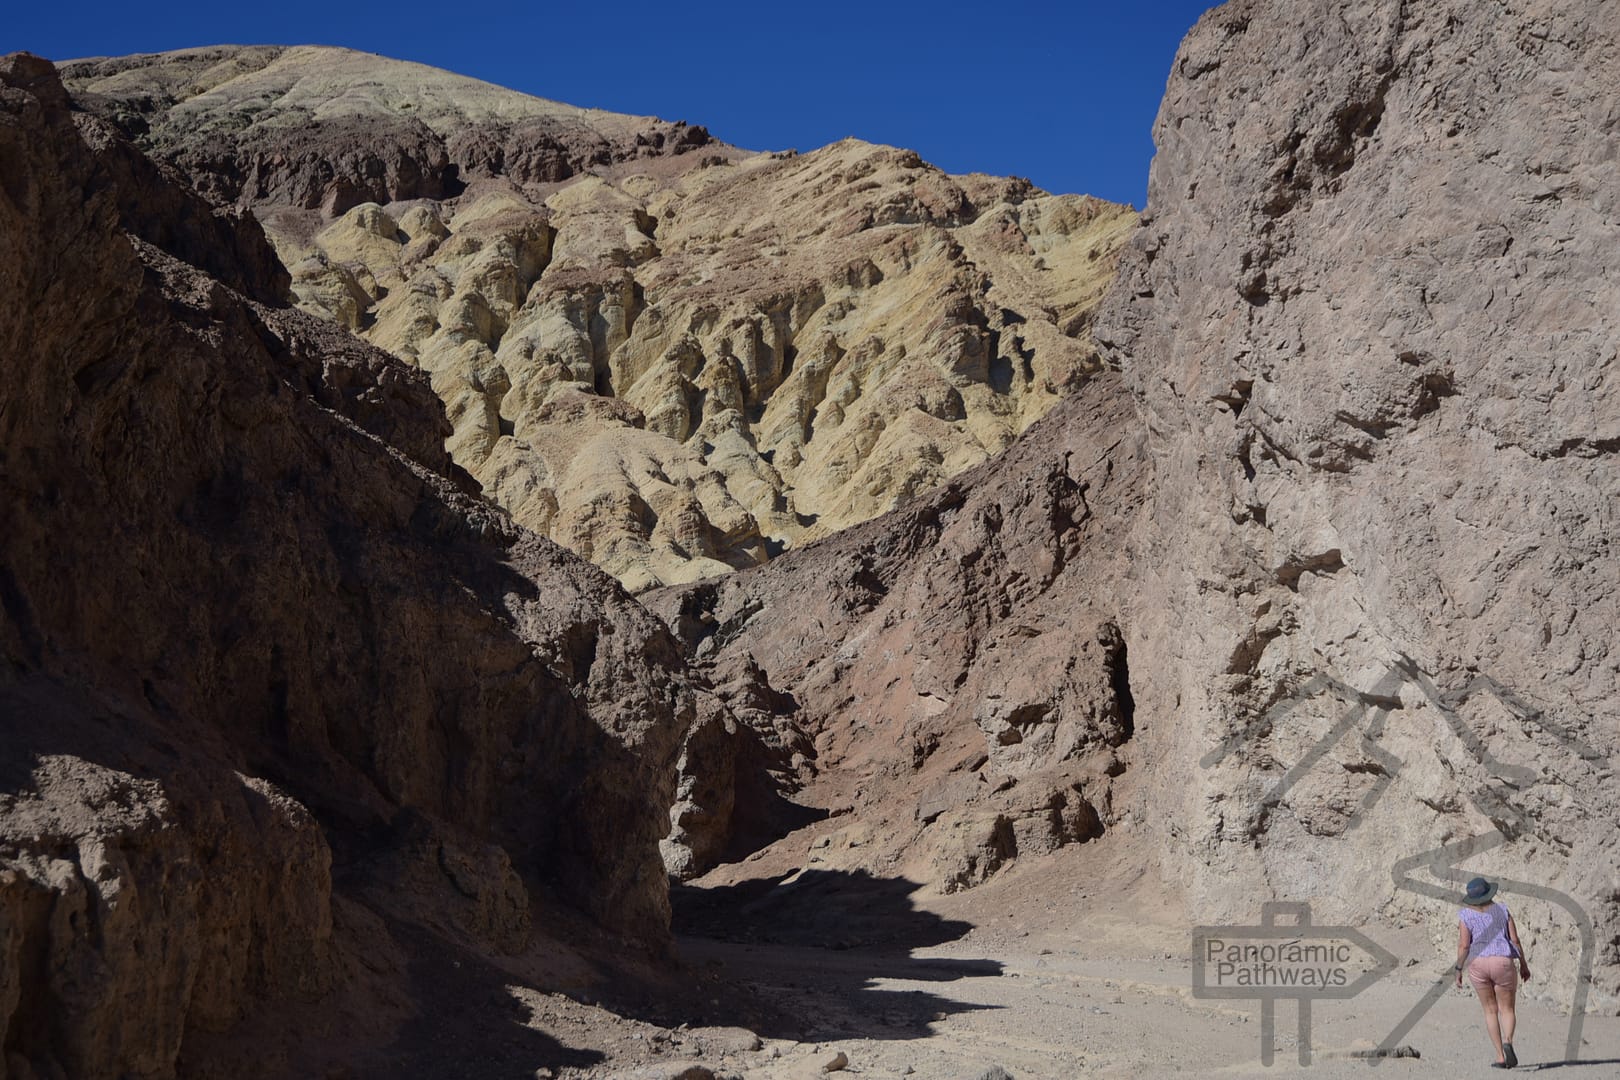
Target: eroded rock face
{"x": 673, "y": 363}
{"x": 147, "y": 891}
{"x": 1369, "y": 320}
{"x": 260, "y": 634}
{"x": 957, "y": 668}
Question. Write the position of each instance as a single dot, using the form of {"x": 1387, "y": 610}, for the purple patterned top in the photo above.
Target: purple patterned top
{"x": 1487, "y": 931}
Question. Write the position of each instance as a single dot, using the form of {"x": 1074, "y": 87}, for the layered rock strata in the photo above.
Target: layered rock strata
{"x": 328, "y": 129}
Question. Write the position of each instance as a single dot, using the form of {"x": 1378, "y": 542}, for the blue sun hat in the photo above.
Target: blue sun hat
{"x": 1479, "y": 892}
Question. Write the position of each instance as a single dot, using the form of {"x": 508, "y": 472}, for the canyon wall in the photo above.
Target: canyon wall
{"x": 949, "y": 682}
{"x": 1369, "y": 323}
{"x": 275, "y": 680}
{"x": 1287, "y": 568}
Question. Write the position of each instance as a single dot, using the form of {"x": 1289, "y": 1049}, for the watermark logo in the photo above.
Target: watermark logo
{"x": 1292, "y": 960}
{"x": 1233, "y": 962}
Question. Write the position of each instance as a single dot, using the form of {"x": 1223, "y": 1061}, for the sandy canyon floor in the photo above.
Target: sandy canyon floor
{"x": 1072, "y": 967}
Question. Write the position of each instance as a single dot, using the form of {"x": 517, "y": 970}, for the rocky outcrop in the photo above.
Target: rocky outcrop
{"x": 273, "y": 676}
{"x": 1369, "y": 323}
{"x": 675, "y": 364}
{"x": 148, "y": 891}
{"x": 741, "y": 764}
{"x": 957, "y": 668}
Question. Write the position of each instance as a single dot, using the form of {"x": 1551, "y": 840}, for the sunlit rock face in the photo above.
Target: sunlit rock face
{"x": 1369, "y": 322}
{"x": 670, "y": 355}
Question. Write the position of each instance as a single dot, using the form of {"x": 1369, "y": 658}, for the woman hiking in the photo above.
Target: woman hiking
{"x": 1488, "y": 947}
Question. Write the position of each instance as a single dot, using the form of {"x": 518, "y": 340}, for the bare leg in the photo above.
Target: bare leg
{"x": 1487, "y": 998}
{"x": 1506, "y": 998}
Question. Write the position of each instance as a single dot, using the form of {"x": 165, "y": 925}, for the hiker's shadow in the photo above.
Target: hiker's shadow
{"x": 1566, "y": 1064}
{"x": 824, "y": 954}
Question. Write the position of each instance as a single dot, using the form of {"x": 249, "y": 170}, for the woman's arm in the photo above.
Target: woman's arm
{"x": 1524, "y": 961}
{"x": 1464, "y": 940}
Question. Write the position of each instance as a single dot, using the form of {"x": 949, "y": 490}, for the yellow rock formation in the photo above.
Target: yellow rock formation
{"x": 674, "y": 361}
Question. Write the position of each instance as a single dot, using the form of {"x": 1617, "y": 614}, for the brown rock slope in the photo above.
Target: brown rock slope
{"x": 277, "y": 685}
{"x": 952, "y": 678}
{"x": 672, "y": 362}
{"x": 1366, "y": 610}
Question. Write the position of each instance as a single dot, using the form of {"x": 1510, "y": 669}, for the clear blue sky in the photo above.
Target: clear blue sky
{"x": 1063, "y": 93}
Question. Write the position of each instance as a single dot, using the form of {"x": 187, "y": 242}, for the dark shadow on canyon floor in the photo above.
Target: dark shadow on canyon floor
{"x": 468, "y": 1024}
{"x": 800, "y": 956}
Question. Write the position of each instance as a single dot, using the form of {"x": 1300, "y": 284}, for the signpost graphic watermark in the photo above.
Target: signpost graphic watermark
{"x": 1292, "y": 960}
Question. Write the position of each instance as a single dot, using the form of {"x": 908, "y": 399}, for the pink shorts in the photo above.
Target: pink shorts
{"x": 1501, "y": 972}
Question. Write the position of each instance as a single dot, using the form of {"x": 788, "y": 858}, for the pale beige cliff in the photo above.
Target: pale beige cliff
{"x": 675, "y": 363}
{"x": 1370, "y": 323}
